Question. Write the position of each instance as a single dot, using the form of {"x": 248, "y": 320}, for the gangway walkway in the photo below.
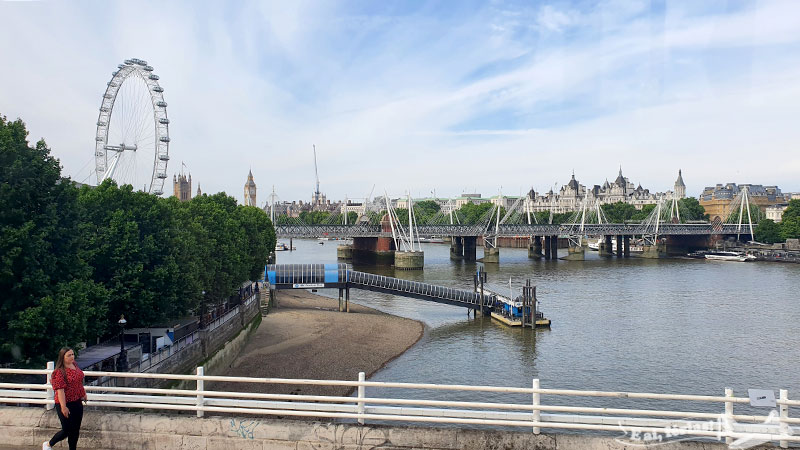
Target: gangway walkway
{"x": 416, "y": 289}
{"x": 341, "y": 276}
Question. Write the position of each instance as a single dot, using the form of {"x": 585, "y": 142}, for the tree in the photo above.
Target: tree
{"x": 474, "y": 214}
{"x": 643, "y": 213}
{"x": 692, "y": 209}
{"x": 790, "y": 228}
{"x": 768, "y": 232}
{"x": 130, "y": 245}
{"x": 792, "y": 211}
{"x": 618, "y": 212}
{"x": 39, "y": 248}
{"x": 260, "y": 235}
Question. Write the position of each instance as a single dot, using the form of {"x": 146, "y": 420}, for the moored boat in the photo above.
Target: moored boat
{"x": 729, "y": 256}
{"x": 510, "y": 310}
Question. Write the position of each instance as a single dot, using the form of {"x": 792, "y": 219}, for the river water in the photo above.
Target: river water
{"x": 641, "y": 325}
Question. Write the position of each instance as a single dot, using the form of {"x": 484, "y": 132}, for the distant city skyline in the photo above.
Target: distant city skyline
{"x": 451, "y": 97}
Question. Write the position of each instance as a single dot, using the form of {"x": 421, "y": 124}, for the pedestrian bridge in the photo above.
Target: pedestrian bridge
{"x": 341, "y": 276}
{"x": 607, "y": 229}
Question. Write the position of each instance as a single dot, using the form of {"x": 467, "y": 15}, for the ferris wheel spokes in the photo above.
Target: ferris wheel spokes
{"x": 134, "y": 113}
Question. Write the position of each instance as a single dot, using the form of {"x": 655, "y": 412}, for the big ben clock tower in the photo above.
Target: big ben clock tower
{"x": 250, "y": 191}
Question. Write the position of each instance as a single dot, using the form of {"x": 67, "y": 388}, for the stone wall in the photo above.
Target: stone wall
{"x": 113, "y": 430}
{"x": 224, "y": 340}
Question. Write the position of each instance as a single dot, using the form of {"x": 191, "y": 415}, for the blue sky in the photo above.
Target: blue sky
{"x": 445, "y": 96}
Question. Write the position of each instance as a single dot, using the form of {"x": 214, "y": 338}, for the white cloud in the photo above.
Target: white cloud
{"x": 385, "y": 98}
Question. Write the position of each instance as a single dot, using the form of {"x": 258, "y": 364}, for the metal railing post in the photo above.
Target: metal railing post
{"x": 729, "y": 412}
{"x": 784, "y": 414}
{"x": 361, "y": 389}
{"x": 50, "y": 394}
{"x": 537, "y": 413}
{"x": 200, "y": 383}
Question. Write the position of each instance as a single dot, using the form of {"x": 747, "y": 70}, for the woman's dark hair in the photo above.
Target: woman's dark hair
{"x": 60, "y": 361}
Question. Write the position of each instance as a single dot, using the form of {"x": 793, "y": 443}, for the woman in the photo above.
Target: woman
{"x": 67, "y": 381}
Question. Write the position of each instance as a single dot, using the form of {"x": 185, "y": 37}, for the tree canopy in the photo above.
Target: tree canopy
{"x": 72, "y": 260}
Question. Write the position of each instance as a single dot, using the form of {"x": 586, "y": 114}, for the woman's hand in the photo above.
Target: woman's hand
{"x": 85, "y": 399}
{"x": 65, "y": 410}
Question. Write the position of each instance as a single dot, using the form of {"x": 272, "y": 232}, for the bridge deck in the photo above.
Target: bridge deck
{"x": 667, "y": 229}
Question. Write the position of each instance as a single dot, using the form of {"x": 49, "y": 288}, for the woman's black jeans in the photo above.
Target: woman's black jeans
{"x": 70, "y": 426}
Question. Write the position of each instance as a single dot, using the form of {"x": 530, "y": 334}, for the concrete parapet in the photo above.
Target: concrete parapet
{"x": 409, "y": 260}
{"x": 112, "y": 430}
{"x": 575, "y": 253}
{"x": 491, "y": 255}
{"x": 344, "y": 252}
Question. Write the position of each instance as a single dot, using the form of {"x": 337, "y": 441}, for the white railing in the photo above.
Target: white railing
{"x": 635, "y": 424}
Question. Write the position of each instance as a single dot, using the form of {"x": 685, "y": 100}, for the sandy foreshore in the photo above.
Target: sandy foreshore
{"x": 307, "y": 337}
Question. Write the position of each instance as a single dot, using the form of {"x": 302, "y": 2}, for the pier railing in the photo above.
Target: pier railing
{"x": 636, "y": 425}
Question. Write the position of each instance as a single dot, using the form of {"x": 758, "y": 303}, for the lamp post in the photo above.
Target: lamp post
{"x": 203, "y": 311}
{"x": 122, "y": 363}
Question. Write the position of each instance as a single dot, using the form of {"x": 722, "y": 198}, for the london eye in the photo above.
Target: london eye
{"x": 132, "y": 139}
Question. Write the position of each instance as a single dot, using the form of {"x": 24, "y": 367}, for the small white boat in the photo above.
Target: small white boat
{"x": 635, "y": 247}
{"x": 730, "y": 256}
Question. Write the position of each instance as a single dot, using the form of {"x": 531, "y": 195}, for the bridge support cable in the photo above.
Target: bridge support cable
{"x": 739, "y": 208}
{"x": 652, "y": 226}
{"x": 589, "y": 213}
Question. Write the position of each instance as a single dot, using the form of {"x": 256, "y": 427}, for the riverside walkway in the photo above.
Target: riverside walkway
{"x": 242, "y": 419}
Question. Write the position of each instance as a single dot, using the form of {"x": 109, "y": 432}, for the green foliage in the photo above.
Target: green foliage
{"x": 39, "y": 239}
{"x": 619, "y": 212}
{"x": 793, "y": 211}
{"x": 755, "y": 215}
{"x": 315, "y": 217}
{"x": 72, "y": 261}
{"x": 768, "y": 232}
{"x": 692, "y": 209}
{"x": 473, "y": 213}
{"x": 790, "y": 228}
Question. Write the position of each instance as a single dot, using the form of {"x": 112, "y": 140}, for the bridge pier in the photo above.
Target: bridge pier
{"x": 409, "y": 260}
{"x": 535, "y": 248}
{"x": 626, "y": 243}
{"x": 605, "y": 248}
{"x": 547, "y": 247}
{"x": 456, "y": 248}
{"x": 470, "y": 250}
{"x": 344, "y": 252}
{"x": 619, "y": 246}
{"x": 373, "y": 250}
{"x": 576, "y": 253}
{"x": 660, "y": 250}
{"x": 554, "y": 246}
{"x": 491, "y": 255}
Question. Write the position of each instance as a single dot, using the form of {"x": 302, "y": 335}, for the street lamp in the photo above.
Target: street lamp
{"x": 122, "y": 363}
{"x": 203, "y": 311}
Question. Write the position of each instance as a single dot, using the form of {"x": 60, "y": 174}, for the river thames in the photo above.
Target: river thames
{"x": 641, "y": 325}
